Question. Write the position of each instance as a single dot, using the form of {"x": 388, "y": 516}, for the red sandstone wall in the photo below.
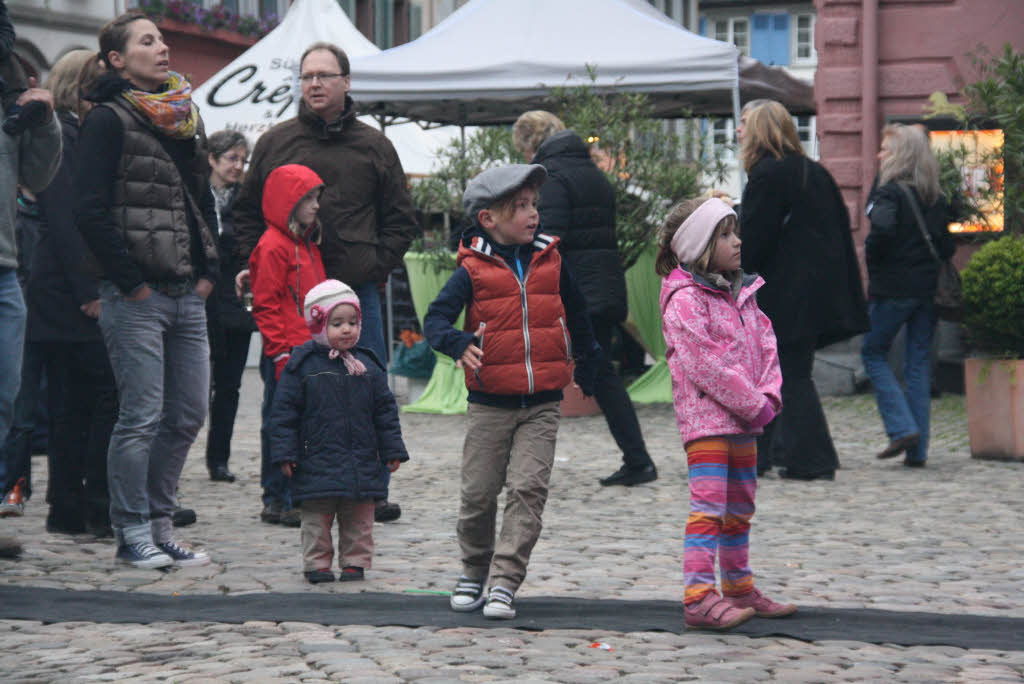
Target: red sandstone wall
{"x": 923, "y": 47}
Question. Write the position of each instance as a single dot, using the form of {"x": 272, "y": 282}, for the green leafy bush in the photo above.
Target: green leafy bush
{"x": 993, "y": 284}
{"x": 647, "y": 164}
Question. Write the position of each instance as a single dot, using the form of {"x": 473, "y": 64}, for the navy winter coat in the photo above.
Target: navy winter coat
{"x": 340, "y": 429}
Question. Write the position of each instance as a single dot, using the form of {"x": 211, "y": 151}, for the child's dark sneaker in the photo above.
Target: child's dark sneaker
{"x": 468, "y": 595}
{"x": 291, "y": 518}
{"x": 499, "y": 604}
{"x": 319, "y": 576}
{"x": 713, "y": 612}
{"x": 142, "y": 555}
{"x": 763, "y": 606}
{"x": 350, "y": 573}
{"x": 182, "y": 557}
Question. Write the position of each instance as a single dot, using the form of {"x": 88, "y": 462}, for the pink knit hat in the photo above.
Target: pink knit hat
{"x": 692, "y": 235}
{"x": 320, "y": 302}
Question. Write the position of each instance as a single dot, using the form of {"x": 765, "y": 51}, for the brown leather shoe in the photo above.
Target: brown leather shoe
{"x": 898, "y": 445}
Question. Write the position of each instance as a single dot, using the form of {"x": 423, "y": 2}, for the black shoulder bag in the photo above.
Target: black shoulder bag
{"x": 949, "y": 294}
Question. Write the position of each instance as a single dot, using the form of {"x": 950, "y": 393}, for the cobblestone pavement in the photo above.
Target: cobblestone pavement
{"x": 945, "y": 539}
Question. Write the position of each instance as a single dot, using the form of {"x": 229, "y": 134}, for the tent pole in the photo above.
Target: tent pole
{"x": 736, "y": 122}
{"x": 389, "y": 310}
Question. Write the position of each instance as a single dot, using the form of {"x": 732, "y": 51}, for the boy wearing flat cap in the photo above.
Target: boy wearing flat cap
{"x": 526, "y": 321}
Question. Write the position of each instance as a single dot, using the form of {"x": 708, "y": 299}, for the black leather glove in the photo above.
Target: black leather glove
{"x": 585, "y": 376}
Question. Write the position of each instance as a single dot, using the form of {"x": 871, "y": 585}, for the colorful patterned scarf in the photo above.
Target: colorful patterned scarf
{"x": 170, "y": 110}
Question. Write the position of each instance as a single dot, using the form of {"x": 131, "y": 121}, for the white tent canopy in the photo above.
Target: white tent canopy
{"x": 493, "y": 59}
{"x": 259, "y": 89}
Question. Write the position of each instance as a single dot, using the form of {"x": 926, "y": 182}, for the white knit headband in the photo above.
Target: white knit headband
{"x": 693, "y": 234}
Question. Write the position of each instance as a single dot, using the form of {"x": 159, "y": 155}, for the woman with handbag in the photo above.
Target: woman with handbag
{"x": 144, "y": 208}
{"x": 908, "y": 243}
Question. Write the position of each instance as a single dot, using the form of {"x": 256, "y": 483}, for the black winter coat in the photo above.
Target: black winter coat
{"x": 340, "y": 429}
{"x": 224, "y": 310}
{"x": 58, "y": 285}
{"x": 899, "y": 261}
{"x": 577, "y": 204}
{"x": 796, "y": 235}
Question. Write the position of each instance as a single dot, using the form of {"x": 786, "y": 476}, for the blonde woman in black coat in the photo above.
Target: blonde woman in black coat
{"x": 902, "y": 278}
{"x": 796, "y": 234}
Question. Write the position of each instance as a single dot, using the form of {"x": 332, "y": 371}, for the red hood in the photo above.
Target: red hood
{"x": 283, "y": 189}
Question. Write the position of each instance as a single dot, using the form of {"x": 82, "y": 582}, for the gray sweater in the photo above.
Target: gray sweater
{"x": 31, "y": 160}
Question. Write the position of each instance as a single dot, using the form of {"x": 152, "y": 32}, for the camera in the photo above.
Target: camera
{"x": 20, "y": 118}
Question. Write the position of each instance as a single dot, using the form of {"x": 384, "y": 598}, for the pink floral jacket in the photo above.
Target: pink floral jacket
{"x": 722, "y": 356}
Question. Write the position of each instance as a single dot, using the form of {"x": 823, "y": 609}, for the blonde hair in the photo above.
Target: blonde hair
{"x": 768, "y": 129}
{"x": 666, "y": 260}
{"x": 911, "y": 161}
{"x": 62, "y": 81}
{"x": 533, "y": 128}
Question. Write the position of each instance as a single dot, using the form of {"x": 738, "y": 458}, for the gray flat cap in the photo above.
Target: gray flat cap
{"x": 492, "y": 184}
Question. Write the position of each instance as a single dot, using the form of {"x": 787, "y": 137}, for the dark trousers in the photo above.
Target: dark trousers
{"x": 80, "y": 436}
{"x": 276, "y": 487}
{"x": 228, "y": 364}
{"x": 798, "y": 439}
{"x": 17, "y": 448}
{"x": 615, "y": 402}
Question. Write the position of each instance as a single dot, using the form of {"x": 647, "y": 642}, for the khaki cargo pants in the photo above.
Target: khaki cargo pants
{"x": 355, "y": 533}
{"x": 512, "y": 448}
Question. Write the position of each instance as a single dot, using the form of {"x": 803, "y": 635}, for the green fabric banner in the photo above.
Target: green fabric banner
{"x": 445, "y": 392}
{"x": 643, "y": 287}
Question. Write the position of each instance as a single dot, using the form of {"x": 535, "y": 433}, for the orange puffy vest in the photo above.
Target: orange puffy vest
{"x": 525, "y": 338}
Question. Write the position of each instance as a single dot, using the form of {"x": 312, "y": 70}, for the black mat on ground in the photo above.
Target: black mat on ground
{"x": 541, "y": 613}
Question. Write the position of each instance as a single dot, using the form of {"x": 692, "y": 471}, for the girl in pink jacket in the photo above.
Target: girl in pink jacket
{"x": 725, "y": 386}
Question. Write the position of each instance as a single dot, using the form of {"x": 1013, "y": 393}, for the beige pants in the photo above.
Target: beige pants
{"x": 355, "y": 533}
{"x": 511, "y": 448}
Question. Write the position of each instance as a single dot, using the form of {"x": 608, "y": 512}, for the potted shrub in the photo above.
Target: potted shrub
{"x": 994, "y": 378}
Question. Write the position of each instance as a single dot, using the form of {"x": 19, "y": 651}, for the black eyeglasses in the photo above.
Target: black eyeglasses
{"x": 323, "y": 78}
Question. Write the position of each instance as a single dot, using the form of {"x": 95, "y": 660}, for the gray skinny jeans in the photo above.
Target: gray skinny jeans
{"x": 160, "y": 354}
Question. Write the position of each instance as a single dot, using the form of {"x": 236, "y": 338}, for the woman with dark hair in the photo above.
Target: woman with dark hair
{"x": 229, "y": 325}
{"x": 796, "y": 234}
{"x": 144, "y": 208}
{"x": 908, "y": 240}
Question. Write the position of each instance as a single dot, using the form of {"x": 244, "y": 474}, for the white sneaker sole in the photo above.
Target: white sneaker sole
{"x": 499, "y": 611}
{"x": 193, "y": 562}
{"x": 11, "y": 512}
{"x": 467, "y": 607}
{"x": 149, "y": 564}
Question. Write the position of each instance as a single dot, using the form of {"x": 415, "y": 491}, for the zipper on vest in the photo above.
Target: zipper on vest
{"x": 568, "y": 343}
{"x": 526, "y": 333}
{"x": 521, "y": 277}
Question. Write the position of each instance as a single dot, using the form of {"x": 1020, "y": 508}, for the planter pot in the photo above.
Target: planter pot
{"x": 995, "y": 408}
{"x": 575, "y": 404}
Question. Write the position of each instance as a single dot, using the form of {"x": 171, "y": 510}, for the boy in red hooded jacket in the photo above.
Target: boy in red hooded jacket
{"x": 285, "y": 265}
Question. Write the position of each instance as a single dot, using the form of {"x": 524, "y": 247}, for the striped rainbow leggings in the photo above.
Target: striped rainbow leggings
{"x": 723, "y": 479}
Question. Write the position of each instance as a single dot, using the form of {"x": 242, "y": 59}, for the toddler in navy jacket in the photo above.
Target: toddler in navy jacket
{"x": 335, "y": 432}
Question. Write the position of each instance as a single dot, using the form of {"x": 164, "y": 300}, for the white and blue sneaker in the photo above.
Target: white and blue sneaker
{"x": 182, "y": 557}
{"x": 142, "y": 555}
{"x": 468, "y": 595}
{"x": 499, "y": 604}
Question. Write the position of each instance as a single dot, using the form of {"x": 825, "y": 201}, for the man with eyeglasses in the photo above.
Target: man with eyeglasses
{"x": 366, "y": 210}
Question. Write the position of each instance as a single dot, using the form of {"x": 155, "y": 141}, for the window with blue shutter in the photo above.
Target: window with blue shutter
{"x": 769, "y": 38}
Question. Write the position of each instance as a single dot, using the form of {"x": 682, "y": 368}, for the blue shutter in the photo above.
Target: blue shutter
{"x": 769, "y": 38}
{"x": 703, "y": 26}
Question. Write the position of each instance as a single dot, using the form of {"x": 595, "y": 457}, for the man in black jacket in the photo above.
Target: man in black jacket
{"x": 577, "y": 204}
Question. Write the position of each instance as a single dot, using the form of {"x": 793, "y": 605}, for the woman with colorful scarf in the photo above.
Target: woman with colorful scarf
{"x": 144, "y": 208}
